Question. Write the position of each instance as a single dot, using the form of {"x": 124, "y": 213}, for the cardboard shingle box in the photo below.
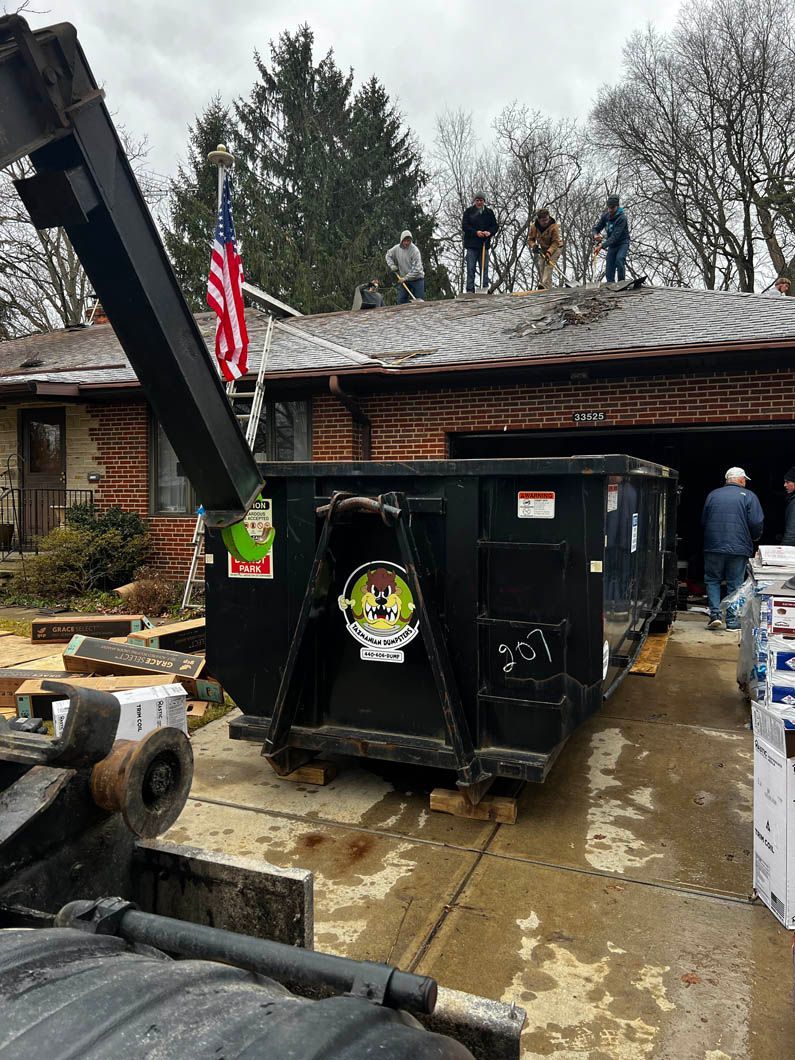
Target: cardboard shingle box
{"x": 32, "y": 700}
{"x": 780, "y": 607}
{"x": 11, "y": 679}
{"x": 91, "y": 655}
{"x": 774, "y": 811}
{"x": 88, "y": 655}
{"x": 187, "y": 636}
{"x": 60, "y": 630}
{"x": 142, "y": 710}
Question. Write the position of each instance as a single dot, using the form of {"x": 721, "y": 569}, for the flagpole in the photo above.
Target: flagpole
{"x": 224, "y": 160}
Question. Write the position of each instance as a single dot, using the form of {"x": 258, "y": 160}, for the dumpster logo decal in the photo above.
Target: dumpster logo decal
{"x": 379, "y": 610}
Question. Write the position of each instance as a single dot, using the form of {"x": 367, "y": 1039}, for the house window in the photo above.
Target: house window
{"x": 284, "y": 434}
{"x": 290, "y": 437}
{"x": 171, "y": 492}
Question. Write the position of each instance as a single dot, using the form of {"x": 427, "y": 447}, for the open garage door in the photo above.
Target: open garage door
{"x": 700, "y": 454}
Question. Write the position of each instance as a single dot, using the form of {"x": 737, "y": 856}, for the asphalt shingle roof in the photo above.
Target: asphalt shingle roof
{"x": 472, "y": 332}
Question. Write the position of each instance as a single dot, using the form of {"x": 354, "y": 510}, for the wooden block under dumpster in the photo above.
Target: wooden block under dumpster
{"x": 186, "y": 636}
{"x": 60, "y": 630}
{"x": 500, "y": 808}
{"x": 651, "y": 654}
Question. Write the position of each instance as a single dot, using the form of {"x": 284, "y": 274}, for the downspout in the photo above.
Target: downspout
{"x": 357, "y": 415}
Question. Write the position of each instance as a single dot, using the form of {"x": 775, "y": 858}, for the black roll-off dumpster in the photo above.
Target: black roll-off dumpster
{"x": 466, "y": 615}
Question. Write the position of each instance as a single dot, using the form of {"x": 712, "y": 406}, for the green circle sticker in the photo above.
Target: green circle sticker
{"x": 379, "y": 610}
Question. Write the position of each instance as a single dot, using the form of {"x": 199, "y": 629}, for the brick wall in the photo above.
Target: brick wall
{"x": 414, "y": 425}
{"x": 121, "y": 433}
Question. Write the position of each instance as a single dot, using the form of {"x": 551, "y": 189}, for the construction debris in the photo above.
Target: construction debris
{"x": 566, "y": 308}
{"x": 188, "y": 637}
{"x": 61, "y": 630}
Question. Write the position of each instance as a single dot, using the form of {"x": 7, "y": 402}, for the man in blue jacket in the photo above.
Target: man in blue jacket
{"x": 615, "y": 240}
{"x": 732, "y": 521}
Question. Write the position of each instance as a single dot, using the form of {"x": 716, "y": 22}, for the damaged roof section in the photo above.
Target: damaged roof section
{"x": 476, "y": 332}
{"x": 573, "y": 307}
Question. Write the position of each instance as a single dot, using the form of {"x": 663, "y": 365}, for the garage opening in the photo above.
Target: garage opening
{"x": 701, "y": 455}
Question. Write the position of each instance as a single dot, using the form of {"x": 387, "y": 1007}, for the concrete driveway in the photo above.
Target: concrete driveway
{"x": 617, "y": 910}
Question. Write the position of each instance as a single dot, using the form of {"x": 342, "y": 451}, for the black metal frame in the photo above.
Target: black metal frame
{"x": 393, "y": 509}
{"x": 52, "y": 110}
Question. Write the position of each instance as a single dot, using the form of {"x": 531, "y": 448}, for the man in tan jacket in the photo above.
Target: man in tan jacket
{"x": 546, "y": 244}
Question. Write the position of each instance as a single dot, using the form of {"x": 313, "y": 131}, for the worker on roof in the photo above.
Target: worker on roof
{"x": 780, "y": 289}
{"x": 733, "y": 521}
{"x": 546, "y": 244}
{"x": 405, "y": 260}
{"x": 615, "y": 240}
{"x": 368, "y": 296}
{"x": 480, "y": 226}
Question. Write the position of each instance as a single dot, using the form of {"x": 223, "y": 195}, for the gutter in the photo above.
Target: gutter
{"x": 357, "y": 415}
{"x": 661, "y": 352}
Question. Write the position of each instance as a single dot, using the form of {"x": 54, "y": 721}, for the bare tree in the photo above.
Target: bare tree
{"x": 532, "y": 161}
{"x": 42, "y": 283}
{"x": 703, "y": 125}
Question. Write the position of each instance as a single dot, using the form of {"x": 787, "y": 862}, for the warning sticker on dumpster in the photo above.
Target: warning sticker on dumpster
{"x": 612, "y": 497}
{"x": 379, "y": 610}
{"x": 261, "y": 569}
{"x": 633, "y": 546}
{"x": 258, "y": 522}
{"x": 535, "y": 504}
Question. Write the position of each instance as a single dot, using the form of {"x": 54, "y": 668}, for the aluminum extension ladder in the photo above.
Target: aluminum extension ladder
{"x": 250, "y": 422}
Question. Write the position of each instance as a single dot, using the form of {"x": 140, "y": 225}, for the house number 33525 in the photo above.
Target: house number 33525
{"x": 588, "y": 417}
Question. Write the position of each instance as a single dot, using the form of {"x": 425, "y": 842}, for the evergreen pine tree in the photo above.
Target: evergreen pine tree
{"x": 325, "y": 181}
{"x": 388, "y": 180}
{"x": 193, "y": 204}
{"x": 290, "y": 146}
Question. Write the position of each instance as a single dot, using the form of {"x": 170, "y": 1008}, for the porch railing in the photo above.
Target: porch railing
{"x": 27, "y": 515}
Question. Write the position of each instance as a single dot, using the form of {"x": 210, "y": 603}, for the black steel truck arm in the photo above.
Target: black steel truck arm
{"x": 52, "y": 110}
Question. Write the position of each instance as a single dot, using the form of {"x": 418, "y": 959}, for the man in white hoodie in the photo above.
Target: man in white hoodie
{"x": 405, "y": 260}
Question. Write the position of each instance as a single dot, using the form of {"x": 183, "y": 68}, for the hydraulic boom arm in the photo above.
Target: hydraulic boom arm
{"x": 52, "y": 110}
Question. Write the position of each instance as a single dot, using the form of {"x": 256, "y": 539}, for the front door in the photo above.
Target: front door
{"x": 43, "y": 451}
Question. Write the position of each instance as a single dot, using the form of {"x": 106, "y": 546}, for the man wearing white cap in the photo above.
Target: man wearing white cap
{"x": 732, "y": 521}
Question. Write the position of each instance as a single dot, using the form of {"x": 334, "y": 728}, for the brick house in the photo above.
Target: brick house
{"x": 698, "y": 380}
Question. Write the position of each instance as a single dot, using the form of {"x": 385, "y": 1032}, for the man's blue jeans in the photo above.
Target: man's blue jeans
{"x": 474, "y": 260}
{"x": 616, "y": 260}
{"x": 417, "y": 288}
{"x": 718, "y": 567}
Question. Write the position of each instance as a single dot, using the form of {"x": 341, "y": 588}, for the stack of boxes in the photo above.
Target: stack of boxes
{"x": 769, "y": 639}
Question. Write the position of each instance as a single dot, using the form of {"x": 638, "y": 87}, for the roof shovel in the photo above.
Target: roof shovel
{"x": 409, "y": 292}
{"x": 482, "y": 289}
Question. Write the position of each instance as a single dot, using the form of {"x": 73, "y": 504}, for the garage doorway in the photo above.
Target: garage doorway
{"x": 700, "y": 454}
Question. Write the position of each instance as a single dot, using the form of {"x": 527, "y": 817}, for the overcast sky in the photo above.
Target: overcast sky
{"x": 160, "y": 61}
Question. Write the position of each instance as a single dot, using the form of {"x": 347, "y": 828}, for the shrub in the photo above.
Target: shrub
{"x": 92, "y": 551}
{"x": 152, "y": 594}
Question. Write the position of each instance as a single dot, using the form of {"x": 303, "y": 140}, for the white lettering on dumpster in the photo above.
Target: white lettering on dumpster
{"x": 524, "y": 650}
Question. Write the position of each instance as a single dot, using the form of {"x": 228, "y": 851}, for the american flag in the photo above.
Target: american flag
{"x": 225, "y": 293}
